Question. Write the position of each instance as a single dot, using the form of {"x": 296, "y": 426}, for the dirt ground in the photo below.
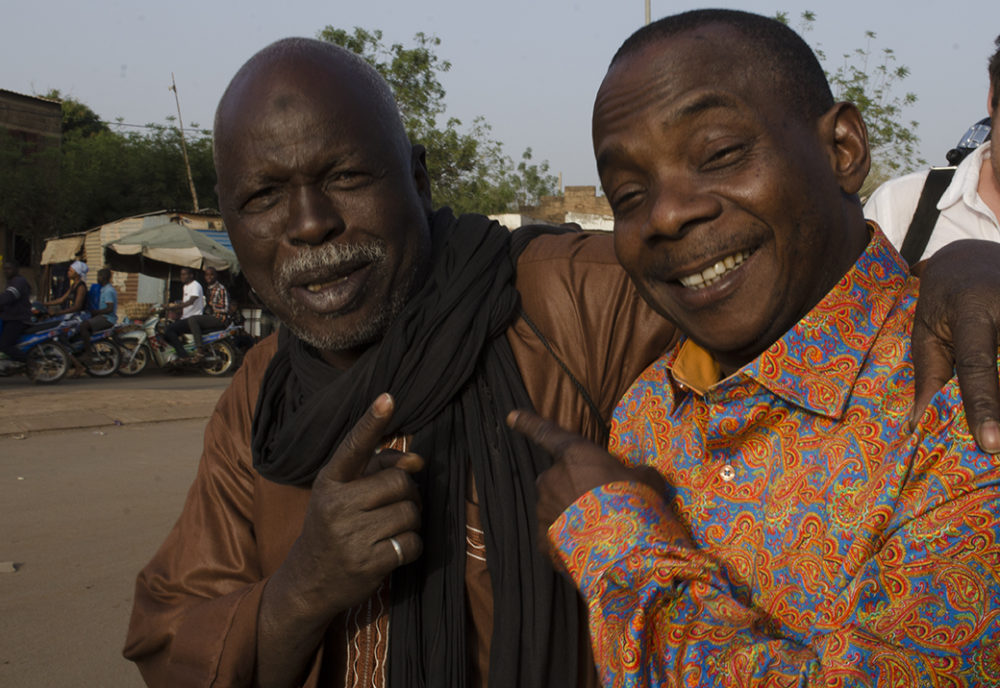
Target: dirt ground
{"x": 80, "y": 512}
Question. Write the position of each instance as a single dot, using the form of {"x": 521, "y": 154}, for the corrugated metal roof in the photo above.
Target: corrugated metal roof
{"x": 33, "y": 97}
{"x": 222, "y": 236}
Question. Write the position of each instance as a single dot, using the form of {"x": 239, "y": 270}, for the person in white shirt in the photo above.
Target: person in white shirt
{"x": 969, "y": 207}
{"x": 192, "y": 305}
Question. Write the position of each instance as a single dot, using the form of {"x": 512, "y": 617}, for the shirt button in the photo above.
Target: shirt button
{"x": 727, "y": 473}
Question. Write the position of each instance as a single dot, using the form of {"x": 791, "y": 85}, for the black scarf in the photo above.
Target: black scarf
{"x": 448, "y": 364}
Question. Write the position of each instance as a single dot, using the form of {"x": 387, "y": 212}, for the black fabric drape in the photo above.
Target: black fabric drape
{"x": 453, "y": 375}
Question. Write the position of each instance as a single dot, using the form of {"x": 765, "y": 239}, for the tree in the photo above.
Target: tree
{"x": 29, "y": 175}
{"x": 96, "y": 174}
{"x": 870, "y": 79}
{"x": 110, "y": 175}
{"x": 77, "y": 118}
{"x": 469, "y": 170}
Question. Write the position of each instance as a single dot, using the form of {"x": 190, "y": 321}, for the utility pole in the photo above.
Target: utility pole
{"x": 647, "y": 11}
{"x": 184, "y": 150}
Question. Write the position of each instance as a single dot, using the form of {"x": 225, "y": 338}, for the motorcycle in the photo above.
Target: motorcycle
{"x": 105, "y": 354}
{"x": 48, "y": 359}
{"x": 146, "y": 343}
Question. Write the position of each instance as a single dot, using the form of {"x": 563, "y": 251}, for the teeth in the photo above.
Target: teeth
{"x": 320, "y": 286}
{"x": 713, "y": 274}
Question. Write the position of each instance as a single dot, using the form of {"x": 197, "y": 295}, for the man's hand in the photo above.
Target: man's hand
{"x": 956, "y": 328}
{"x": 359, "y": 501}
{"x": 579, "y": 466}
{"x": 362, "y": 522}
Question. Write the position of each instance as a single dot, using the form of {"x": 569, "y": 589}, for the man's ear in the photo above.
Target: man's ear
{"x": 418, "y": 161}
{"x": 846, "y": 136}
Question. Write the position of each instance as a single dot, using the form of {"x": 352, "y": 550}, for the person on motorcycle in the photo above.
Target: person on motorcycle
{"x": 192, "y": 306}
{"x": 15, "y": 316}
{"x": 75, "y": 298}
{"x": 105, "y": 315}
{"x": 216, "y": 315}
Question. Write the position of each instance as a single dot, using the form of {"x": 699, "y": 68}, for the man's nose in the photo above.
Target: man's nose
{"x": 313, "y": 217}
{"x": 677, "y": 207}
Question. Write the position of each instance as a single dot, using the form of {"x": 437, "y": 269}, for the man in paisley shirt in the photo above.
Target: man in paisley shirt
{"x": 778, "y": 519}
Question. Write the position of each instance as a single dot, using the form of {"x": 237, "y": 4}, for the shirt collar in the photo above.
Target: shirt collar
{"x": 965, "y": 184}
{"x": 815, "y": 364}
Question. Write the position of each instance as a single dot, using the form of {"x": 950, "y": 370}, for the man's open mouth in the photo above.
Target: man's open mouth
{"x": 316, "y": 287}
{"x": 716, "y": 272}
{"x": 331, "y": 291}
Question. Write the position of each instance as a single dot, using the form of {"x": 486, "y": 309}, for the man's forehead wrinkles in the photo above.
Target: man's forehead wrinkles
{"x": 620, "y": 96}
{"x": 615, "y": 116}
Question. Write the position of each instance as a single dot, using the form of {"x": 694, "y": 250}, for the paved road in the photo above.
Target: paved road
{"x": 80, "y": 512}
{"x": 153, "y": 396}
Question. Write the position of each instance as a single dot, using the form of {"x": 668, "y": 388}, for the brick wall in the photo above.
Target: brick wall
{"x": 576, "y": 201}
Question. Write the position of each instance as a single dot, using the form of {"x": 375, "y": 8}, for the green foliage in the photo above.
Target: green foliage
{"x": 469, "y": 170}
{"x": 97, "y": 174}
{"x": 111, "y": 175}
{"x": 29, "y": 173}
{"x": 77, "y": 118}
{"x": 871, "y": 79}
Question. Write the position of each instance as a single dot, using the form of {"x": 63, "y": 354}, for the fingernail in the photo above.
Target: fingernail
{"x": 512, "y": 418}
{"x": 382, "y": 404}
{"x": 989, "y": 436}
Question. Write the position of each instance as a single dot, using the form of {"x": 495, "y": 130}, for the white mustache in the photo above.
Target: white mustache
{"x": 326, "y": 256}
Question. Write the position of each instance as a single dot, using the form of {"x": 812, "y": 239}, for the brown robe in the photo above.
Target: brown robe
{"x": 194, "y": 620}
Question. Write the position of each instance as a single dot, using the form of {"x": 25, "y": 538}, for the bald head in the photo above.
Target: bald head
{"x": 280, "y": 75}
{"x": 325, "y": 199}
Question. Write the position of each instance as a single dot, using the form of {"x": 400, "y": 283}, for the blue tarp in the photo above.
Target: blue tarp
{"x": 219, "y": 235}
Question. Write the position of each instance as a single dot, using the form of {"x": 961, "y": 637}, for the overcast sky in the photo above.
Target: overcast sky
{"x": 531, "y": 67}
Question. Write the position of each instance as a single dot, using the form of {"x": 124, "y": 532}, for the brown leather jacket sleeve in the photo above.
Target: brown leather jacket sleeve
{"x": 194, "y": 619}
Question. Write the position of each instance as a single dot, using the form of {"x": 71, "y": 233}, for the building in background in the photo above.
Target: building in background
{"x": 132, "y": 286}
{"x": 30, "y": 139}
{"x": 578, "y": 205}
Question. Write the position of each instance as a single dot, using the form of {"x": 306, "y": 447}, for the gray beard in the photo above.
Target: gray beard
{"x": 372, "y": 331}
{"x": 333, "y": 338}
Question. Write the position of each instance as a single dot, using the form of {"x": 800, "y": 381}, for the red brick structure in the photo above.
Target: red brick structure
{"x": 577, "y": 204}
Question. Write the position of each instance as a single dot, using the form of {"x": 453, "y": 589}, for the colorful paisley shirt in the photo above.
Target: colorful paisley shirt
{"x": 806, "y": 538}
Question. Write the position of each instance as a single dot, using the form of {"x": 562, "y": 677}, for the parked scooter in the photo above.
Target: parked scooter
{"x": 145, "y": 344}
{"x": 48, "y": 358}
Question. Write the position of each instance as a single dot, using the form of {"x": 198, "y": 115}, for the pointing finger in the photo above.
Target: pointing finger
{"x": 542, "y": 432}
{"x": 933, "y": 366}
{"x": 352, "y": 455}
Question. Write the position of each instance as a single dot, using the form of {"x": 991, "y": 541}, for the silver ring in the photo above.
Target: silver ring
{"x": 399, "y": 550}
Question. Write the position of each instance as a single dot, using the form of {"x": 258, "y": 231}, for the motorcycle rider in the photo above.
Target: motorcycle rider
{"x": 74, "y": 299}
{"x": 216, "y": 315}
{"x": 192, "y": 305}
{"x": 104, "y": 316}
{"x": 15, "y": 316}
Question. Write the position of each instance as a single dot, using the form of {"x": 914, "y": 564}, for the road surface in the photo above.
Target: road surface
{"x": 80, "y": 512}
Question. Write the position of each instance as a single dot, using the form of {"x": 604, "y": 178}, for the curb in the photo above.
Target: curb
{"x": 19, "y": 427}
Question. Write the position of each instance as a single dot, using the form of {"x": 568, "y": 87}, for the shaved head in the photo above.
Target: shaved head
{"x": 339, "y": 64}
{"x": 324, "y": 197}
